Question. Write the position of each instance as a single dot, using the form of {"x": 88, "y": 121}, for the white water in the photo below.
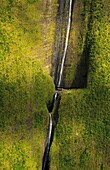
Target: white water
{"x": 48, "y": 143}
{"x": 50, "y": 119}
{"x": 56, "y": 93}
{"x": 49, "y": 134}
{"x": 55, "y": 98}
{"x": 50, "y": 129}
{"x": 50, "y": 124}
{"x": 66, "y": 44}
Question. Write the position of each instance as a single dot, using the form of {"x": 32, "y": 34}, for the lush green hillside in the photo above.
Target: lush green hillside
{"x": 25, "y": 90}
{"x": 82, "y": 135}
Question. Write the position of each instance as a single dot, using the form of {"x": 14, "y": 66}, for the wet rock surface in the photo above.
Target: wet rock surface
{"x": 76, "y": 62}
{"x": 60, "y": 35}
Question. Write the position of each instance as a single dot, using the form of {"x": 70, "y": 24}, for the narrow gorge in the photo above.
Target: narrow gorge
{"x": 70, "y": 61}
{"x": 57, "y": 79}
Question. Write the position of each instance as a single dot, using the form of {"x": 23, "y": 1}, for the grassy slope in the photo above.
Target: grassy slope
{"x": 25, "y": 90}
{"x": 82, "y": 135}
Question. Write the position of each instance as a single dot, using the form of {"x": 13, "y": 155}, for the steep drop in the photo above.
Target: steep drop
{"x": 66, "y": 45}
{"x": 58, "y": 85}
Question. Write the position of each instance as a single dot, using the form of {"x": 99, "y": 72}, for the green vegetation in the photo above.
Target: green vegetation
{"x": 82, "y": 135}
{"x": 25, "y": 90}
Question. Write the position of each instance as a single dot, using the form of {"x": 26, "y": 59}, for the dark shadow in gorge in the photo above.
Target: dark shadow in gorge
{"x": 55, "y": 121}
{"x": 55, "y": 114}
{"x": 73, "y": 2}
{"x": 52, "y": 108}
{"x": 80, "y": 80}
{"x": 46, "y": 159}
{"x": 81, "y": 76}
{"x": 60, "y": 34}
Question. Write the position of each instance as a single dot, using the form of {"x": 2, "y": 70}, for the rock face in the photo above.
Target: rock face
{"x": 54, "y": 23}
{"x": 60, "y": 34}
{"x": 47, "y": 23}
{"x": 76, "y": 63}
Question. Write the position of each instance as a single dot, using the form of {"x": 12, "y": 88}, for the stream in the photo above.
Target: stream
{"x": 55, "y": 97}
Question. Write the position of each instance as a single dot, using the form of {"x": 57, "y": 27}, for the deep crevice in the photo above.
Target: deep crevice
{"x": 60, "y": 35}
{"x": 81, "y": 77}
{"x": 52, "y": 108}
{"x": 80, "y": 81}
{"x": 81, "y": 72}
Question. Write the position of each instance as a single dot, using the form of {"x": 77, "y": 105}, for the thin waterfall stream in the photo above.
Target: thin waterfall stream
{"x": 55, "y": 97}
{"x": 49, "y": 137}
{"x": 66, "y": 44}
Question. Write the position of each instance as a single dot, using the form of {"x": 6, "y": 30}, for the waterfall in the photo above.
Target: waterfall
{"x": 46, "y": 153}
{"x": 50, "y": 128}
{"x": 66, "y": 44}
{"x": 48, "y": 143}
{"x": 45, "y": 157}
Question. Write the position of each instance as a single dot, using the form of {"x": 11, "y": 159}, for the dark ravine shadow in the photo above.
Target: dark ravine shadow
{"x": 81, "y": 73}
{"x": 80, "y": 80}
{"x": 73, "y": 2}
{"x": 53, "y": 109}
{"x": 81, "y": 77}
{"x": 55, "y": 113}
{"x": 60, "y": 34}
{"x": 47, "y": 161}
{"x": 55, "y": 121}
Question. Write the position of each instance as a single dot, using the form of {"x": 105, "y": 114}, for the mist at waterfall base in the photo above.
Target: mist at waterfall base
{"x": 45, "y": 164}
